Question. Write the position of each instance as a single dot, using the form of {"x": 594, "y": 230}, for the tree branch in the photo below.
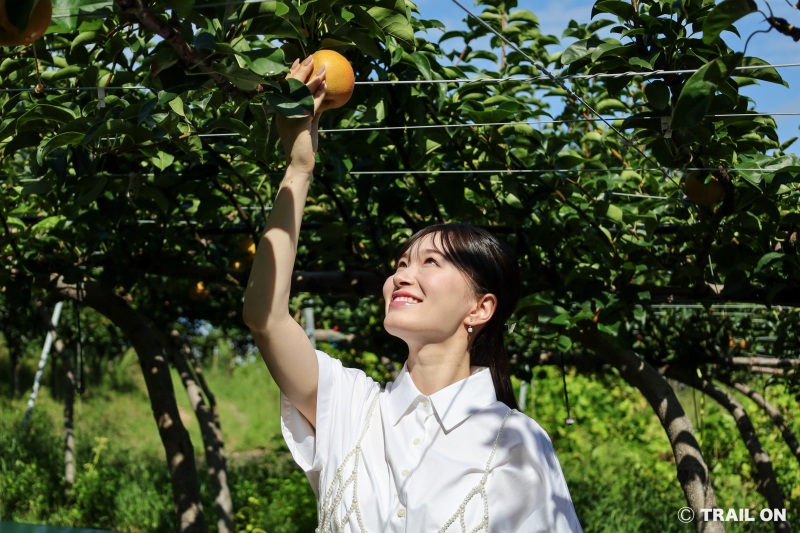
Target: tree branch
{"x": 155, "y": 369}
{"x": 209, "y": 429}
{"x": 768, "y": 484}
{"x": 772, "y": 411}
{"x": 693, "y": 473}
{"x": 760, "y": 361}
{"x": 135, "y": 10}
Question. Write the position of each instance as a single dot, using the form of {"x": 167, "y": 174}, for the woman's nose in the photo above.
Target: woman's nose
{"x": 402, "y": 277}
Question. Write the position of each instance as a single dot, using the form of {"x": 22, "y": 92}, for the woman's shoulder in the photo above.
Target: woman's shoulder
{"x": 524, "y": 430}
{"x": 341, "y": 375}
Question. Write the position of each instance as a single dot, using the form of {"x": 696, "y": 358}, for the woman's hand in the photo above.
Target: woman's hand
{"x": 299, "y": 135}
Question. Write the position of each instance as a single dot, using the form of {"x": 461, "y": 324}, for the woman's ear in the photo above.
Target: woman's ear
{"x": 485, "y": 307}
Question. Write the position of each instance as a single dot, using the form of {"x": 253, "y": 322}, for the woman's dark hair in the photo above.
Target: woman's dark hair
{"x": 491, "y": 268}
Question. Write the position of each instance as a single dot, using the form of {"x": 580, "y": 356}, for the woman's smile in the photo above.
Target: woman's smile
{"x": 402, "y": 298}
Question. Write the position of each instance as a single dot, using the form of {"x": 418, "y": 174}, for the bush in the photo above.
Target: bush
{"x": 271, "y": 494}
{"x": 30, "y": 468}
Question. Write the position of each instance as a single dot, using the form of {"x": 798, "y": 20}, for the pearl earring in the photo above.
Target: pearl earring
{"x": 469, "y": 329}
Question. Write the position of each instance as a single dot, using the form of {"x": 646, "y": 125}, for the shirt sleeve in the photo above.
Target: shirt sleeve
{"x": 343, "y": 396}
{"x": 531, "y": 468}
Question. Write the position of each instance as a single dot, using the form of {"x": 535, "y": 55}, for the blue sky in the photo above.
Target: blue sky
{"x": 554, "y": 16}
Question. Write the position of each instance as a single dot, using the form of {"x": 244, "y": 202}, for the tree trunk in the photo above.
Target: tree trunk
{"x": 210, "y": 429}
{"x": 768, "y": 483}
{"x": 15, "y": 371}
{"x": 776, "y": 416}
{"x": 693, "y": 473}
{"x": 69, "y": 434}
{"x": 69, "y": 399}
{"x": 155, "y": 368}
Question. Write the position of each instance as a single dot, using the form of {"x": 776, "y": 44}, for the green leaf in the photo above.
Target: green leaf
{"x": 91, "y": 195}
{"x": 47, "y": 224}
{"x": 72, "y": 71}
{"x": 270, "y": 7}
{"x": 562, "y": 319}
{"x": 610, "y": 329}
{"x": 38, "y": 187}
{"x": 513, "y": 201}
{"x": 162, "y": 160}
{"x": 768, "y": 259}
{"x": 623, "y": 10}
{"x": 423, "y": 65}
{"x": 768, "y": 73}
{"x": 395, "y": 24}
{"x": 698, "y": 92}
{"x": 290, "y": 98}
{"x": 523, "y": 15}
{"x": 579, "y": 50}
{"x": 564, "y": 343}
{"x": 641, "y": 62}
{"x": 84, "y": 38}
{"x": 605, "y": 48}
{"x": 47, "y": 112}
{"x": 614, "y": 213}
{"x": 658, "y": 95}
{"x": 264, "y": 61}
{"x": 57, "y": 141}
{"x": 239, "y": 77}
{"x": 723, "y": 15}
{"x": 176, "y": 104}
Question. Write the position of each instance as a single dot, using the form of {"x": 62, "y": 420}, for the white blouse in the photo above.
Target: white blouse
{"x": 425, "y": 463}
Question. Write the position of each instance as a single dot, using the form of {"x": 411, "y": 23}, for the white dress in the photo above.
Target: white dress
{"x": 425, "y": 463}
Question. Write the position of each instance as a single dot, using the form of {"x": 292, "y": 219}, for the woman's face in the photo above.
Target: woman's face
{"x": 428, "y": 299}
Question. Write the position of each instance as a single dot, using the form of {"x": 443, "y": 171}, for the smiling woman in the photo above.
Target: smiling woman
{"x": 443, "y": 443}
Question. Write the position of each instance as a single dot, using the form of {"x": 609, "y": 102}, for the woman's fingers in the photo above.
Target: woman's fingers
{"x": 302, "y": 71}
{"x": 314, "y": 81}
{"x": 317, "y": 81}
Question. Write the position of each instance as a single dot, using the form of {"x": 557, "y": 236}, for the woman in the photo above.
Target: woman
{"x": 441, "y": 448}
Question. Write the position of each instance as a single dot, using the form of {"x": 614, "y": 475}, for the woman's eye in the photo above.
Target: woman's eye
{"x": 432, "y": 261}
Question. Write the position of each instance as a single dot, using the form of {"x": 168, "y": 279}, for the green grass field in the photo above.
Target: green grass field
{"x": 246, "y": 396}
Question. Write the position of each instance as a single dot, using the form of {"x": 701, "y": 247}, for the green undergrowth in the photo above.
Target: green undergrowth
{"x": 619, "y": 464}
{"x": 616, "y": 458}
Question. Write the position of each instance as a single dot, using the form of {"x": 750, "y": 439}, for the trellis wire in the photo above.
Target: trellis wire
{"x": 558, "y": 171}
{"x": 646, "y": 74}
{"x": 538, "y": 122}
{"x": 558, "y": 82}
{"x": 630, "y": 73}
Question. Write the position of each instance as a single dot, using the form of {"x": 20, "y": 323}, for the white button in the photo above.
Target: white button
{"x": 404, "y": 472}
{"x": 402, "y": 512}
{"x": 425, "y": 403}
{"x": 416, "y": 441}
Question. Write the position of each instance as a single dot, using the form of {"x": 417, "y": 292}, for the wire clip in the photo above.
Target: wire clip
{"x": 101, "y": 97}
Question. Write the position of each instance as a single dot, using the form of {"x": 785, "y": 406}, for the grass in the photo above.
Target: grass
{"x": 246, "y": 396}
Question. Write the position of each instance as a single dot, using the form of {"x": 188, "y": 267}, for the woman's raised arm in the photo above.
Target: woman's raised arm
{"x": 281, "y": 340}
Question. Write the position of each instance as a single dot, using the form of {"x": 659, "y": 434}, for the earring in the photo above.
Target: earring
{"x": 469, "y": 329}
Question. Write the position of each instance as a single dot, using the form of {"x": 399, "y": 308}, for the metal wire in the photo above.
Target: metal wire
{"x": 555, "y": 171}
{"x": 646, "y": 74}
{"x": 628, "y": 74}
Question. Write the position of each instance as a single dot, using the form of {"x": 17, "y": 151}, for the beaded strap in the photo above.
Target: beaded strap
{"x": 339, "y": 484}
{"x": 479, "y": 490}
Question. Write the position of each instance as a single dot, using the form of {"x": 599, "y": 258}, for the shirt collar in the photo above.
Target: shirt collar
{"x": 452, "y": 405}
